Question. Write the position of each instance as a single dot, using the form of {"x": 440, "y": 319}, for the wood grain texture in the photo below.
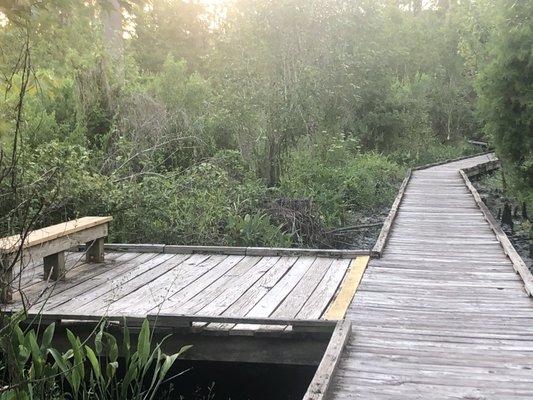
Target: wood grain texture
{"x": 318, "y": 388}
{"x": 39, "y": 236}
{"x": 442, "y": 314}
{"x": 229, "y": 250}
{"x": 340, "y": 304}
{"x": 387, "y": 224}
{"x": 215, "y": 289}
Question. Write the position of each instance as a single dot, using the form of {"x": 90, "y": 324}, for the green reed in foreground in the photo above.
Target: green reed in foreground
{"x": 32, "y": 369}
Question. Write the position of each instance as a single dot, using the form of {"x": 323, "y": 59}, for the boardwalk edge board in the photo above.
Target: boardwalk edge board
{"x": 387, "y": 224}
{"x": 247, "y": 251}
{"x": 508, "y": 248}
{"x": 318, "y": 388}
{"x": 340, "y": 304}
{"x": 178, "y": 321}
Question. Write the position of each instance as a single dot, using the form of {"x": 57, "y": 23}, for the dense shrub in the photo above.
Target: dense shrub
{"x": 339, "y": 180}
{"x": 194, "y": 135}
{"x": 506, "y": 88}
{"x": 433, "y": 152}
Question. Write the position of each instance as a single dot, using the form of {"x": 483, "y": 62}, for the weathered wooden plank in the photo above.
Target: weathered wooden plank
{"x": 126, "y": 282}
{"x": 179, "y": 297}
{"x": 295, "y": 300}
{"x": 338, "y": 307}
{"x": 226, "y": 299}
{"x": 273, "y": 298}
{"x": 54, "y": 266}
{"x": 387, "y": 224}
{"x": 156, "y": 292}
{"x": 72, "y": 288}
{"x": 136, "y": 248}
{"x": 518, "y": 264}
{"x": 205, "y": 249}
{"x": 440, "y": 315}
{"x": 58, "y": 244}
{"x": 41, "y": 236}
{"x": 321, "y": 381}
{"x": 249, "y": 251}
{"x": 272, "y": 251}
{"x": 324, "y": 293}
{"x": 258, "y": 290}
{"x": 178, "y": 320}
{"x": 38, "y": 291}
{"x": 468, "y": 159}
{"x": 220, "y": 286}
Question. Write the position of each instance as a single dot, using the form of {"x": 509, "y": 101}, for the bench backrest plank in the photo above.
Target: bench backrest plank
{"x": 10, "y": 244}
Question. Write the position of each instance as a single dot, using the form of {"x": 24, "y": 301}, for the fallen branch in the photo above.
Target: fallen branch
{"x": 355, "y": 227}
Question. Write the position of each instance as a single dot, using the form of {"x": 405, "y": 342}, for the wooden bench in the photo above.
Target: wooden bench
{"x": 50, "y": 244}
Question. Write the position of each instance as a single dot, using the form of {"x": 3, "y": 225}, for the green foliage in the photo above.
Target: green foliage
{"x": 338, "y": 179}
{"x": 506, "y": 95}
{"x": 255, "y": 230}
{"x": 185, "y": 135}
{"x": 36, "y": 370}
{"x": 202, "y": 205}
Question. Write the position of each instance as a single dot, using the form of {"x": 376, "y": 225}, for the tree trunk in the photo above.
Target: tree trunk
{"x": 112, "y": 24}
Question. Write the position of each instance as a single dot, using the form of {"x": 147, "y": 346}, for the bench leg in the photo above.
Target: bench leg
{"x": 95, "y": 251}
{"x": 6, "y": 278}
{"x": 54, "y": 266}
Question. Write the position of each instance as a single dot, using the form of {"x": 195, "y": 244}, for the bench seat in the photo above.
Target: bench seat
{"x": 50, "y": 244}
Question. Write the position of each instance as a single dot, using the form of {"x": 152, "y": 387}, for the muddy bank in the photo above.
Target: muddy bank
{"x": 362, "y": 232}
{"x": 515, "y": 220}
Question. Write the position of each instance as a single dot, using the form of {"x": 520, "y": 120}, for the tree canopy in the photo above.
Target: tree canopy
{"x": 192, "y": 123}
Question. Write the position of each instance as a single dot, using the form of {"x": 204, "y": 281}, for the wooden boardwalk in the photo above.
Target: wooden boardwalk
{"x": 137, "y": 284}
{"x": 442, "y": 314}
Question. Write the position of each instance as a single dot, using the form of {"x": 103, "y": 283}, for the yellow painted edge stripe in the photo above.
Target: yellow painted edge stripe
{"x": 337, "y": 309}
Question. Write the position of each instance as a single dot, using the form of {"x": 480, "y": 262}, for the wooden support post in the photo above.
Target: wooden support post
{"x": 95, "y": 250}
{"x": 6, "y": 278}
{"x": 54, "y": 266}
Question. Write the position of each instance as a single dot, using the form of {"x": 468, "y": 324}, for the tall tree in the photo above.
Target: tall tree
{"x": 506, "y": 88}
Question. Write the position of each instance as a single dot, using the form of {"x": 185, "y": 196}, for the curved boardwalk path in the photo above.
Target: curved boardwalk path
{"x": 442, "y": 315}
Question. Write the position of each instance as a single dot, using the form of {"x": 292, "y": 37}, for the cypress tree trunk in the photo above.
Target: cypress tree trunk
{"x": 507, "y": 216}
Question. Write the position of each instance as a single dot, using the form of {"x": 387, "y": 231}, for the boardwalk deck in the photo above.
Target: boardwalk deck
{"x": 442, "y": 314}
{"x": 137, "y": 284}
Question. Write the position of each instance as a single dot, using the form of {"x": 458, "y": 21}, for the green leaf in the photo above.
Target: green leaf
{"x": 112, "y": 347}
{"x": 78, "y": 368}
{"x": 19, "y": 334}
{"x": 131, "y": 375}
{"x": 143, "y": 344}
{"x": 111, "y": 369}
{"x": 184, "y": 349}
{"x": 48, "y": 336}
{"x": 37, "y": 357}
{"x": 59, "y": 359}
{"x": 9, "y": 395}
{"x": 23, "y": 355}
{"x": 126, "y": 344}
{"x": 98, "y": 339}
{"x": 167, "y": 364}
{"x": 94, "y": 362}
